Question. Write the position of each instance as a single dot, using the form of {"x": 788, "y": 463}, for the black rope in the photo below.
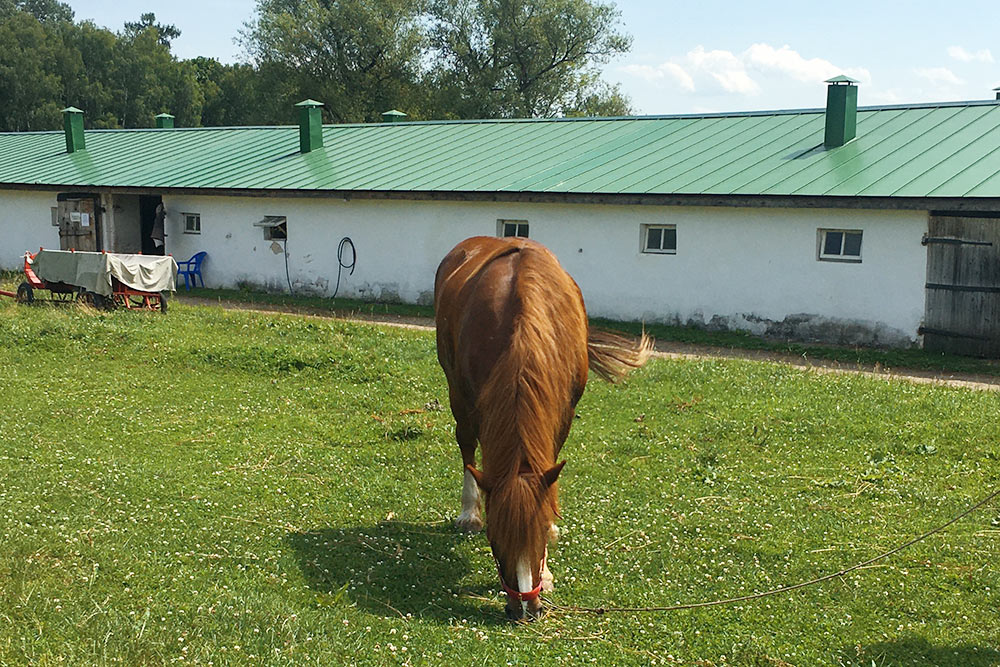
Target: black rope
{"x": 783, "y": 589}
{"x": 346, "y": 241}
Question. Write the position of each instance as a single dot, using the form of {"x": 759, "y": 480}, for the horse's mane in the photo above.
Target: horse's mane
{"x": 522, "y": 405}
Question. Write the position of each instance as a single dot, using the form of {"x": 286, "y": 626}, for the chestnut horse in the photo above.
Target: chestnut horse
{"x": 514, "y": 343}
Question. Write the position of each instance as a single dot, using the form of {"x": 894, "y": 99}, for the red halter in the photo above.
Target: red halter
{"x": 518, "y": 595}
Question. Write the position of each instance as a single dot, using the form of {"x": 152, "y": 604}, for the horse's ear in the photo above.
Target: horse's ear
{"x": 550, "y": 476}
{"x": 478, "y": 476}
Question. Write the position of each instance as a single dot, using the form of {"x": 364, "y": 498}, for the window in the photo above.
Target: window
{"x": 839, "y": 245}
{"x": 659, "y": 239}
{"x": 275, "y": 227}
{"x": 192, "y": 223}
{"x": 512, "y": 228}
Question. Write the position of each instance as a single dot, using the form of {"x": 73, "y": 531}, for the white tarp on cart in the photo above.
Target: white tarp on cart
{"x": 93, "y": 271}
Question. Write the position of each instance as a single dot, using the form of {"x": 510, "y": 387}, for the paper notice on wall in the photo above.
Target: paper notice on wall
{"x": 85, "y": 220}
{"x": 74, "y": 216}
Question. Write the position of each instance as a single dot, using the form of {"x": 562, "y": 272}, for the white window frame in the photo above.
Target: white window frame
{"x": 644, "y": 238}
{"x": 823, "y": 256}
{"x": 188, "y": 219}
{"x": 518, "y": 224}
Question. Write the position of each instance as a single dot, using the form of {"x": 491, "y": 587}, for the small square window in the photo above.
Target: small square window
{"x": 192, "y": 223}
{"x": 839, "y": 245}
{"x": 275, "y": 227}
{"x": 512, "y": 228}
{"x": 659, "y": 239}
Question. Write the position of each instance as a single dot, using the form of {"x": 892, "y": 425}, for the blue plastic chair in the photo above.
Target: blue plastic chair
{"x": 191, "y": 269}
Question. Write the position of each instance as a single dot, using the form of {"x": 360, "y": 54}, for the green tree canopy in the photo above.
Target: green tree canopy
{"x": 357, "y": 56}
{"x": 430, "y": 58}
{"x": 523, "y": 58}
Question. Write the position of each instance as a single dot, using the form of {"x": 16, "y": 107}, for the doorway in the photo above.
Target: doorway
{"x": 147, "y": 220}
{"x": 79, "y": 217}
{"x": 962, "y": 308}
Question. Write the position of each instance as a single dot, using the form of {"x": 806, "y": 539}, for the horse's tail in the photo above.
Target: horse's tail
{"x": 612, "y": 356}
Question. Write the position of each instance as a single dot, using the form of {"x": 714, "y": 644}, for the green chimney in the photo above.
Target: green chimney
{"x": 73, "y": 125}
{"x": 164, "y": 121}
{"x": 310, "y": 125}
{"x": 841, "y": 111}
{"x": 392, "y": 116}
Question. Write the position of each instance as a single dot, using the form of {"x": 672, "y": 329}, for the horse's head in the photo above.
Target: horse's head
{"x": 520, "y": 511}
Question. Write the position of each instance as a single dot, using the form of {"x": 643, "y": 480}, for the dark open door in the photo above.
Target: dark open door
{"x": 962, "y": 304}
{"x": 147, "y": 216}
{"x": 79, "y": 221}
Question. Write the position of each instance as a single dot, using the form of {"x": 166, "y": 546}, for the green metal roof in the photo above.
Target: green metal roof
{"x": 942, "y": 150}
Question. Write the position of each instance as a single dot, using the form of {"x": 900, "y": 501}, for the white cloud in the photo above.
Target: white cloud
{"x": 668, "y": 70}
{"x": 705, "y": 72}
{"x": 962, "y": 55}
{"x": 939, "y": 76}
{"x": 789, "y": 62}
{"x": 725, "y": 68}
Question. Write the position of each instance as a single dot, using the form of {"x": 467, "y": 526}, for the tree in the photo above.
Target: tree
{"x": 29, "y": 86}
{"x": 594, "y": 98}
{"x": 359, "y": 57}
{"x": 148, "y": 80}
{"x": 524, "y": 58}
{"x": 46, "y": 11}
{"x": 164, "y": 33}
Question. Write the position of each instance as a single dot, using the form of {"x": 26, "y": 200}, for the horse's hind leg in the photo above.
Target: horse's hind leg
{"x": 470, "y": 520}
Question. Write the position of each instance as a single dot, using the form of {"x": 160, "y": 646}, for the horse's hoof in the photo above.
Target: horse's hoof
{"x": 469, "y": 524}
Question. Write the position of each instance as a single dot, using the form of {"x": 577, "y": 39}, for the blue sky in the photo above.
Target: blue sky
{"x": 709, "y": 55}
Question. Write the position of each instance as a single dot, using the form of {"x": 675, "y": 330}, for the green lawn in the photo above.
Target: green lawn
{"x": 245, "y": 488}
{"x": 849, "y": 356}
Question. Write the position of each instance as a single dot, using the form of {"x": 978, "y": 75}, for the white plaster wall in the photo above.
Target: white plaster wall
{"x": 25, "y": 224}
{"x": 751, "y": 269}
{"x": 741, "y": 266}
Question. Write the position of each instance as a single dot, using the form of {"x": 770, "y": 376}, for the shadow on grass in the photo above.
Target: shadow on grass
{"x": 396, "y": 568}
{"x": 919, "y": 651}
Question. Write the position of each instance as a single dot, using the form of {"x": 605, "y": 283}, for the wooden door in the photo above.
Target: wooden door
{"x": 79, "y": 222}
{"x": 962, "y": 303}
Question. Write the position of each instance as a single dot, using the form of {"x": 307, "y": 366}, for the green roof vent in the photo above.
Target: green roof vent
{"x": 310, "y": 125}
{"x": 392, "y": 116}
{"x": 164, "y": 121}
{"x": 73, "y": 125}
{"x": 841, "y": 111}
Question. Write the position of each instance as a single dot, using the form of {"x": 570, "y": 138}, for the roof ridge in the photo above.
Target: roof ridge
{"x": 564, "y": 119}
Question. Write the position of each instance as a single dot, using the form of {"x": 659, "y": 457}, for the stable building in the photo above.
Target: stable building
{"x": 872, "y": 225}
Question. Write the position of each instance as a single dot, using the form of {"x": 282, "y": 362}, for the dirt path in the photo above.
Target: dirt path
{"x": 665, "y": 349}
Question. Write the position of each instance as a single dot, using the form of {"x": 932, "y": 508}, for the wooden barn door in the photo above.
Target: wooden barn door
{"x": 79, "y": 223}
{"x": 962, "y": 308}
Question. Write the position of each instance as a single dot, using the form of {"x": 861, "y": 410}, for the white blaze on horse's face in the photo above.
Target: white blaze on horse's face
{"x": 524, "y": 583}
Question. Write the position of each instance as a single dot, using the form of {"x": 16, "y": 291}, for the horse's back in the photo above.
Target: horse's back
{"x": 485, "y": 287}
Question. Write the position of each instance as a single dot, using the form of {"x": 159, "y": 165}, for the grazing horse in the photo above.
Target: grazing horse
{"x": 514, "y": 343}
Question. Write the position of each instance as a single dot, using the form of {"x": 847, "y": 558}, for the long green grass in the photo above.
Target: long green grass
{"x": 230, "y": 487}
{"x": 849, "y": 356}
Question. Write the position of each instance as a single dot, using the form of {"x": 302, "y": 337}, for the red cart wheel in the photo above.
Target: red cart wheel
{"x": 25, "y": 294}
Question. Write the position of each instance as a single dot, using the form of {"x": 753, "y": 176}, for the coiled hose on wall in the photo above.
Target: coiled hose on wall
{"x": 344, "y": 242}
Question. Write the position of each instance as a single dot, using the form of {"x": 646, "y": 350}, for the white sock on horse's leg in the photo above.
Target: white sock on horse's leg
{"x": 547, "y": 584}
{"x": 470, "y": 519}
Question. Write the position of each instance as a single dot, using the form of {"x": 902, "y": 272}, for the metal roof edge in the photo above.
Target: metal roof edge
{"x": 951, "y": 204}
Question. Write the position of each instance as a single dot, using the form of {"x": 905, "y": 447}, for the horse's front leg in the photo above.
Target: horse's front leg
{"x": 470, "y": 520}
{"x": 546, "y": 575}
